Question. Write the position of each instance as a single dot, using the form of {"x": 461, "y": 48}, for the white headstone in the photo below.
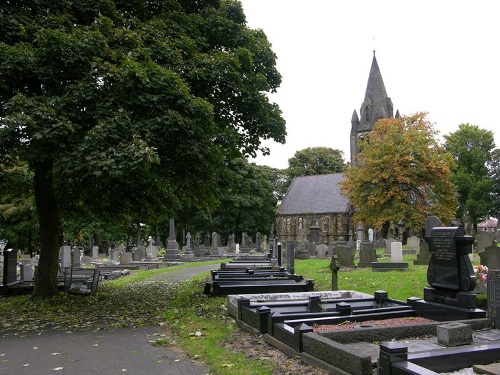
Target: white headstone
{"x": 65, "y": 256}
{"x": 396, "y": 252}
{"x": 95, "y": 252}
{"x": 370, "y": 234}
{"x": 237, "y": 248}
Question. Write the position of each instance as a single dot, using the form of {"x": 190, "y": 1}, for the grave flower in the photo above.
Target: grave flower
{"x": 481, "y": 273}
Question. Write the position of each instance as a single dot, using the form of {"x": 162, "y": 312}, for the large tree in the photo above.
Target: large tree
{"x": 314, "y": 161}
{"x": 403, "y": 175}
{"x": 128, "y": 106}
{"x": 471, "y": 148}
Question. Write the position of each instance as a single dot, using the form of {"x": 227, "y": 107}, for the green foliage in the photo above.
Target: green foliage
{"x": 248, "y": 203}
{"x": 130, "y": 102}
{"x": 494, "y": 173}
{"x": 473, "y": 174}
{"x": 403, "y": 175}
{"x": 315, "y": 160}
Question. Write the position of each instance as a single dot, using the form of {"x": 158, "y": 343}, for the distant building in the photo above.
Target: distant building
{"x": 489, "y": 225}
{"x": 316, "y": 200}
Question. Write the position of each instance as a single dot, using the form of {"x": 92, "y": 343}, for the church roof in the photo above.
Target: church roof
{"x": 315, "y": 194}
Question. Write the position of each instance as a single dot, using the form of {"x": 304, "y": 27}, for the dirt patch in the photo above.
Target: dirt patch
{"x": 372, "y": 323}
{"x": 254, "y": 347}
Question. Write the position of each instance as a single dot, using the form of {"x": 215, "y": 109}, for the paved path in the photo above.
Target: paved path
{"x": 121, "y": 351}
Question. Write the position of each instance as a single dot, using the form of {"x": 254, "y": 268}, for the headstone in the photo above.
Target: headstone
{"x": 450, "y": 273}
{"x": 215, "y": 242}
{"x": 125, "y": 257}
{"x": 86, "y": 260}
{"x": 258, "y": 244}
{"x": 76, "y": 257}
{"x": 172, "y": 250}
{"x": 335, "y": 267}
{"x": 430, "y": 223}
{"x": 120, "y": 248}
{"x": 230, "y": 243}
{"x": 264, "y": 243}
{"x": 115, "y": 256}
{"x": 490, "y": 257}
{"x": 290, "y": 256}
{"x": 345, "y": 255}
{"x": 413, "y": 242}
{"x": 196, "y": 248}
{"x": 95, "y": 252}
{"x": 188, "y": 251}
{"x": 302, "y": 252}
{"x": 360, "y": 232}
{"x": 388, "y": 245}
{"x": 314, "y": 229}
{"x": 139, "y": 254}
{"x": 493, "y": 296}
{"x": 244, "y": 248}
{"x": 367, "y": 254}
{"x": 9, "y": 267}
{"x": 424, "y": 255}
{"x": 26, "y": 271}
{"x": 380, "y": 244}
{"x": 65, "y": 256}
{"x": 311, "y": 248}
{"x": 322, "y": 251}
{"x": 484, "y": 240}
{"x": 396, "y": 252}
{"x": 370, "y": 234}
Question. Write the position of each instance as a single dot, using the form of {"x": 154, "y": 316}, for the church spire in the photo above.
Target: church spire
{"x": 376, "y": 105}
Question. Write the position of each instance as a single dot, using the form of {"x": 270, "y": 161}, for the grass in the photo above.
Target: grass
{"x": 194, "y": 322}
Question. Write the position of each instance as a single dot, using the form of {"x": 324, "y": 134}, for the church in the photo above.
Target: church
{"x": 316, "y": 201}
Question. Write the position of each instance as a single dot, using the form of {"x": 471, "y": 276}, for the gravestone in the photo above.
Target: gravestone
{"x": 264, "y": 243}
{"x": 490, "y": 257}
{"x": 244, "y": 248}
{"x": 314, "y": 233}
{"x": 360, "y": 232}
{"x": 493, "y": 296}
{"x": 450, "y": 273}
{"x": 188, "y": 251}
{"x": 396, "y": 252}
{"x": 172, "y": 250}
{"x": 258, "y": 244}
{"x": 230, "y": 243}
{"x": 370, "y": 234}
{"x": 388, "y": 245}
{"x": 380, "y": 243}
{"x": 95, "y": 252}
{"x": 76, "y": 257}
{"x": 322, "y": 251}
{"x": 430, "y": 223}
{"x": 345, "y": 254}
{"x": 367, "y": 254}
{"x": 125, "y": 257}
{"x": 424, "y": 255}
{"x": 26, "y": 271}
{"x": 115, "y": 256}
{"x": 311, "y": 248}
{"x": 484, "y": 240}
{"x": 290, "y": 256}
{"x": 65, "y": 256}
{"x": 9, "y": 267}
{"x": 413, "y": 242}
{"x": 139, "y": 254}
{"x": 196, "y": 248}
{"x": 302, "y": 252}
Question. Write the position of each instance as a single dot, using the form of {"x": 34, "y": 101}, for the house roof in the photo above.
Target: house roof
{"x": 315, "y": 194}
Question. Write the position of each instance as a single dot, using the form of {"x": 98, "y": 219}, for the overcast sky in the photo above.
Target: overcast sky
{"x": 440, "y": 57}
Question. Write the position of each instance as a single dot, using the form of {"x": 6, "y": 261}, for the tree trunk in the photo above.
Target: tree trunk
{"x": 48, "y": 217}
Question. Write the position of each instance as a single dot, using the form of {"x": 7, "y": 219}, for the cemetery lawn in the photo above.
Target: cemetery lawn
{"x": 194, "y": 323}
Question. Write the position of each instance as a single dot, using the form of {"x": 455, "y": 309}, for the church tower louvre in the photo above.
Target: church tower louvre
{"x": 376, "y": 105}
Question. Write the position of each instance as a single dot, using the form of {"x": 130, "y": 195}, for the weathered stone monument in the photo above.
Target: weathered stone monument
{"x": 188, "y": 251}
{"x": 345, "y": 254}
{"x": 493, "y": 293}
{"x": 424, "y": 255}
{"x": 367, "y": 254}
{"x": 9, "y": 276}
{"x": 302, "y": 252}
{"x": 322, "y": 251}
{"x": 172, "y": 250}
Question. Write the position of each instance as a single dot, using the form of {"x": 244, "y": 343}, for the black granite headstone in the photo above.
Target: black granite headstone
{"x": 450, "y": 274}
{"x": 450, "y": 267}
{"x": 9, "y": 276}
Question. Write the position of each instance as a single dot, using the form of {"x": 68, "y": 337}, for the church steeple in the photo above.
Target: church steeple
{"x": 376, "y": 105}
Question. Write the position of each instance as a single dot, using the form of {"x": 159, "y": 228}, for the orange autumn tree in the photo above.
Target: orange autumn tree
{"x": 403, "y": 175}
